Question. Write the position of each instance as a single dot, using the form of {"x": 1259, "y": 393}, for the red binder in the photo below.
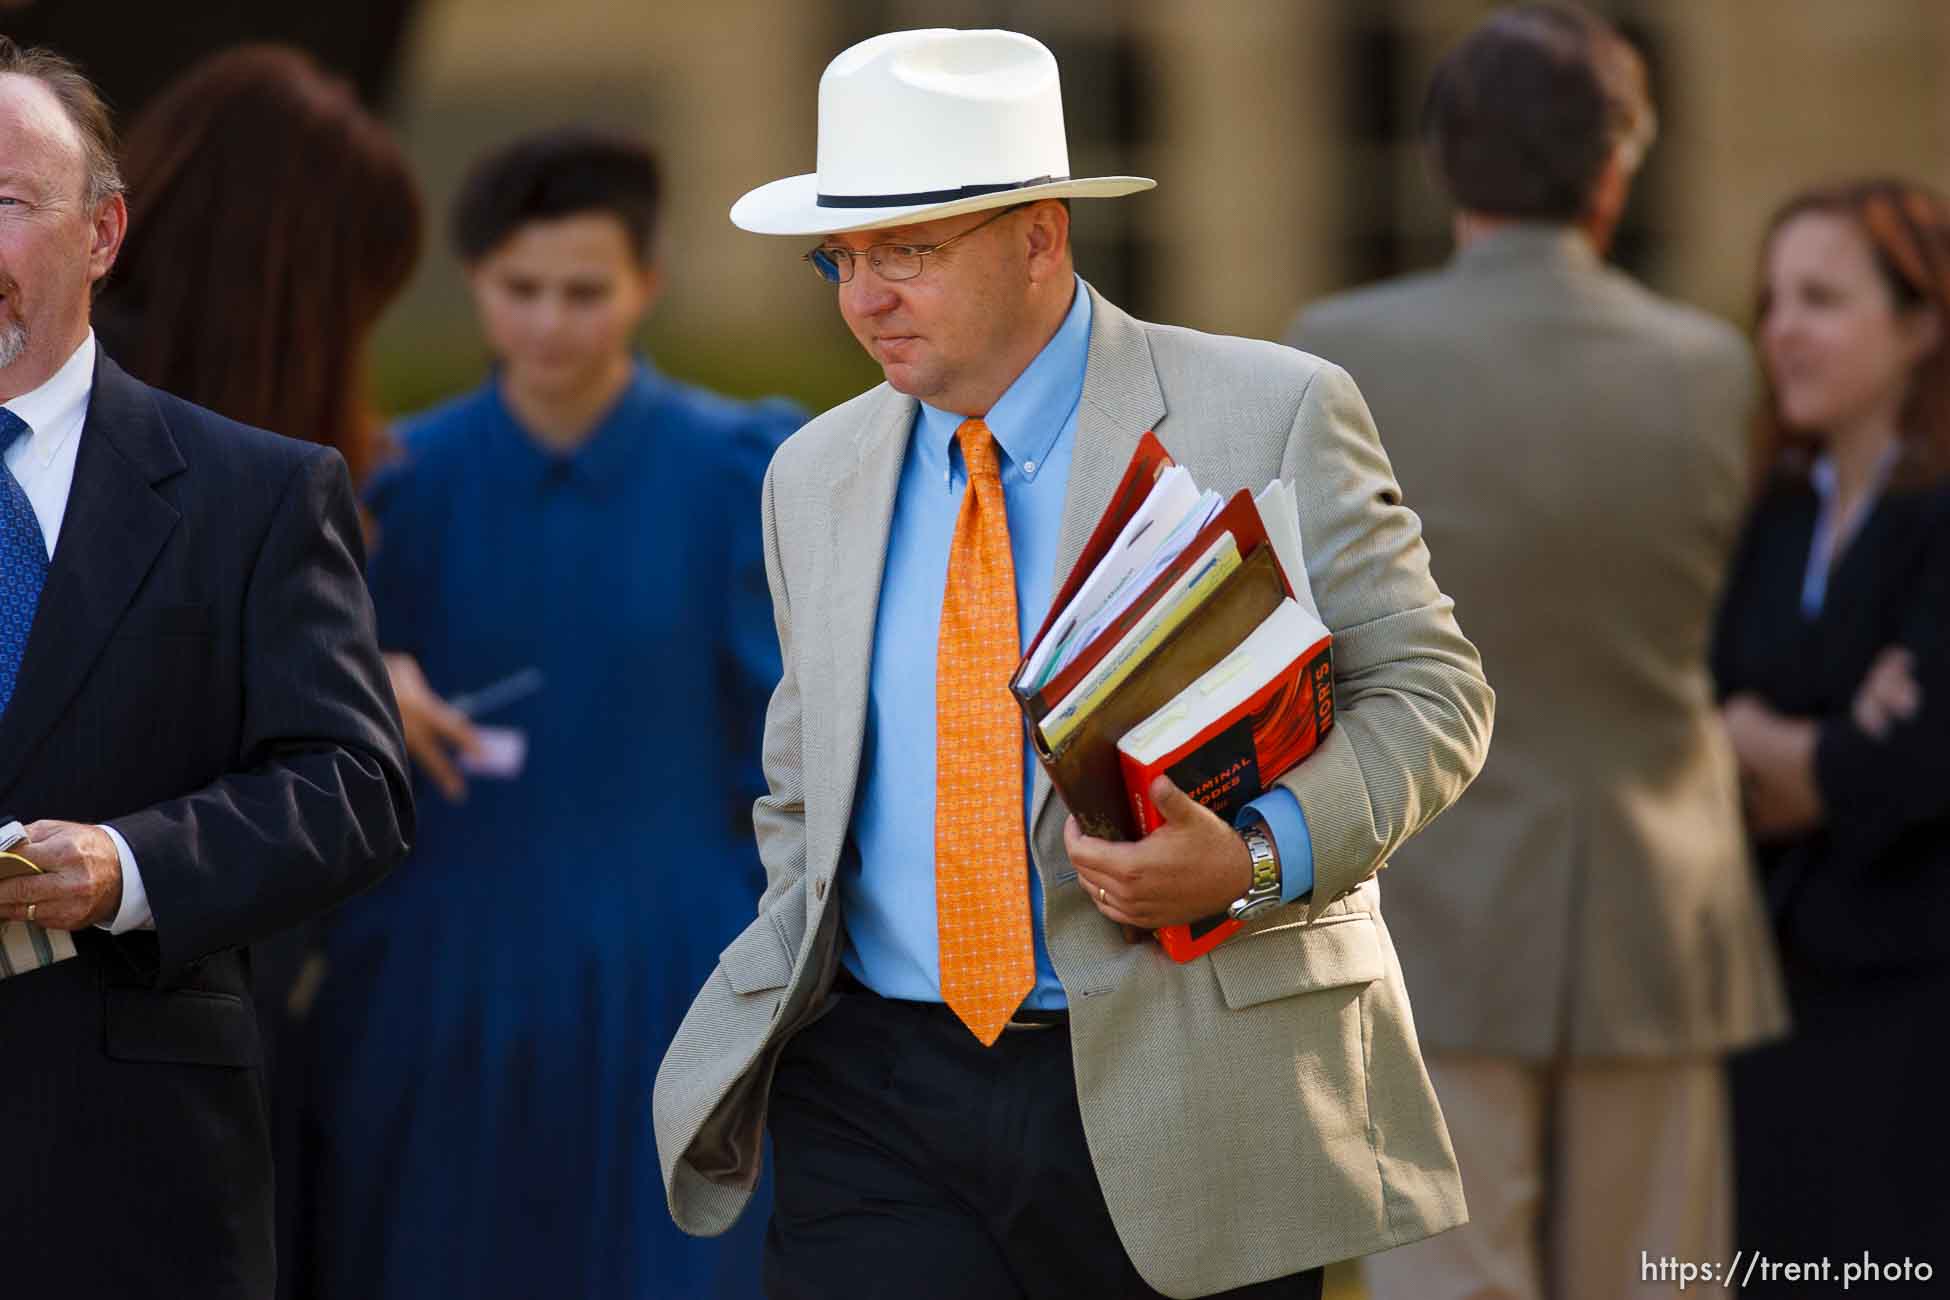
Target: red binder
{"x": 1231, "y": 761}
{"x": 1086, "y": 769}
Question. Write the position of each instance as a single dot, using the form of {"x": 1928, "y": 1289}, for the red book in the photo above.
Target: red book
{"x": 1229, "y": 735}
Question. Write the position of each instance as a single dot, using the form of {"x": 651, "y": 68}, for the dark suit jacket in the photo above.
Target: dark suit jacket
{"x": 1871, "y": 888}
{"x": 202, "y": 674}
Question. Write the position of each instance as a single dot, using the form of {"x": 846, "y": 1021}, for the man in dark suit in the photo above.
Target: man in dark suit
{"x": 196, "y": 725}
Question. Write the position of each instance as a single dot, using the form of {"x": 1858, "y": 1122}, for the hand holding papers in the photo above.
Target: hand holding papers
{"x": 1224, "y": 739}
{"x": 499, "y": 753}
{"x": 24, "y": 946}
{"x": 12, "y": 835}
{"x": 1180, "y": 623}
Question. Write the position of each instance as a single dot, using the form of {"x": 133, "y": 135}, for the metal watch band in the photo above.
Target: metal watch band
{"x": 1264, "y": 891}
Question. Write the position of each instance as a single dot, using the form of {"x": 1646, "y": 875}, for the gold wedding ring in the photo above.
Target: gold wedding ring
{"x": 1100, "y": 896}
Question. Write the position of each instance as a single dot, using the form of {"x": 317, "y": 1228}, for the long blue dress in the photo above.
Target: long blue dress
{"x": 493, "y": 1015}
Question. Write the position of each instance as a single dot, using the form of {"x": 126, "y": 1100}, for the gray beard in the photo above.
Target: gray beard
{"x": 13, "y": 342}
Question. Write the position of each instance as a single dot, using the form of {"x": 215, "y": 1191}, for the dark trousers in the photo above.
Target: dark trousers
{"x": 910, "y": 1161}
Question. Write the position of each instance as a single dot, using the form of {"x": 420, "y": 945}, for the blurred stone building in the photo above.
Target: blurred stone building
{"x": 1281, "y": 133}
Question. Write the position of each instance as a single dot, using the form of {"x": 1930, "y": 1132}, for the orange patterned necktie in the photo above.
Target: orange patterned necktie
{"x": 981, "y": 889}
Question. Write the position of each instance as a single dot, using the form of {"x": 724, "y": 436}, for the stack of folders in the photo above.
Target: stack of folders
{"x": 1179, "y": 644}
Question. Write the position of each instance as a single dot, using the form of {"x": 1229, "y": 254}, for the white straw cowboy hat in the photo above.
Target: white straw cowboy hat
{"x": 919, "y": 125}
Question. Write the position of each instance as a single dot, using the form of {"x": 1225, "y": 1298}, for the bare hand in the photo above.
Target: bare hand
{"x": 1889, "y": 694}
{"x": 80, "y": 882}
{"x": 1190, "y": 868}
{"x": 435, "y": 730}
{"x": 1777, "y": 768}
{"x": 1748, "y": 722}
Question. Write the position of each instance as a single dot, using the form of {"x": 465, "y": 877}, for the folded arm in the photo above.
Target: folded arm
{"x": 1866, "y": 772}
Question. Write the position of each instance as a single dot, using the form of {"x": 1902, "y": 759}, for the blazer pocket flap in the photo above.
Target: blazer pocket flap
{"x": 179, "y": 1027}
{"x": 1292, "y": 959}
{"x": 757, "y": 959}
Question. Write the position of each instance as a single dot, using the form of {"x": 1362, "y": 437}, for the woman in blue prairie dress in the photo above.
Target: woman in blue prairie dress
{"x": 584, "y": 578}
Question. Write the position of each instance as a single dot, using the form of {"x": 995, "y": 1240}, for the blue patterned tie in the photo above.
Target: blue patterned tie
{"x": 23, "y": 561}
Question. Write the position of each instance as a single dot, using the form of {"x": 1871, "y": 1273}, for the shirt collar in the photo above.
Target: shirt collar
{"x": 1027, "y": 419}
{"x": 1821, "y": 474}
{"x": 54, "y": 412}
{"x": 1529, "y": 242}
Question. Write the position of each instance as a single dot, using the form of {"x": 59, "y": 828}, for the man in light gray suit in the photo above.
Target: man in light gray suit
{"x": 974, "y": 1085}
{"x": 1582, "y": 935}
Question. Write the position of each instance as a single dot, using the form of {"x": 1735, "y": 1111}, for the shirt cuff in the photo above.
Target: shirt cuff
{"x": 134, "y": 913}
{"x": 1280, "y": 813}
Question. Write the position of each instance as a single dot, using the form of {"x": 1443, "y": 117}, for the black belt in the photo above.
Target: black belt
{"x": 1024, "y": 1017}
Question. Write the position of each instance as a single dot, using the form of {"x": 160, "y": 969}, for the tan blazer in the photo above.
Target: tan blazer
{"x": 1253, "y": 1113}
{"x": 1575, "y": 447}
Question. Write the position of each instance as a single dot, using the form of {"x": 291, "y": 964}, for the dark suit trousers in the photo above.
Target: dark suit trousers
{"x": 96, "y": 1205}
{"x": 912, "y": 1161}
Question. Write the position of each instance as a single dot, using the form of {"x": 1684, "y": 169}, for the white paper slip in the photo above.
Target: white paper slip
{"x": 1202, "y": 513}
{"x": 1282, "y": 524}
{"x": 11, "y": 834}
{"x": 502, "y": 755}
{"x": 1151, "y": 631}
{"x": 1170, "y": 498}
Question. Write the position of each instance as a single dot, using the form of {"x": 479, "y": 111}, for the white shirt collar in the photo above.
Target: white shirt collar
{"x": 55, "y": 411}
{"x": 1822, "y": 475}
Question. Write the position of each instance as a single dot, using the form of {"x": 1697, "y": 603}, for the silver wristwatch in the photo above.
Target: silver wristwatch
{"x": 1264, "y": 892}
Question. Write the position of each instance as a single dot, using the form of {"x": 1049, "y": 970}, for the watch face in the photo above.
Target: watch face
{"x": 1254, "y": 908}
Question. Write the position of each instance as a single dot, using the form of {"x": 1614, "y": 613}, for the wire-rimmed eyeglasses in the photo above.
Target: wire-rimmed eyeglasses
{"x": 834, "y": 264}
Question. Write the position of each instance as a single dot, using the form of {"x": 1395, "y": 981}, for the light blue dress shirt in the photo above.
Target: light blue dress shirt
{"x": 1826, "y": 546}
{"x": 887, "y": 870}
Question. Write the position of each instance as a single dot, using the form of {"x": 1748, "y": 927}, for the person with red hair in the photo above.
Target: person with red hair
{"x": 274, "y": 219}
{"x": 1833, "y": 659}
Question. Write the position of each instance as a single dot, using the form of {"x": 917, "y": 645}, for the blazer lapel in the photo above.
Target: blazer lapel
{"x": 1121, "y": 403}
{"x": 862, "y": 512}
{"x": 113, "y": 529}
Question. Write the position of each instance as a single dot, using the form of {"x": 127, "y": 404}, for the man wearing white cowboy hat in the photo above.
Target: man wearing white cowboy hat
{"x": 974, "y": 1085}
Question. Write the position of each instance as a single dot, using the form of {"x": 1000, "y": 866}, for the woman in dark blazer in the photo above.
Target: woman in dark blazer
{"x": 1833, "y": 657}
